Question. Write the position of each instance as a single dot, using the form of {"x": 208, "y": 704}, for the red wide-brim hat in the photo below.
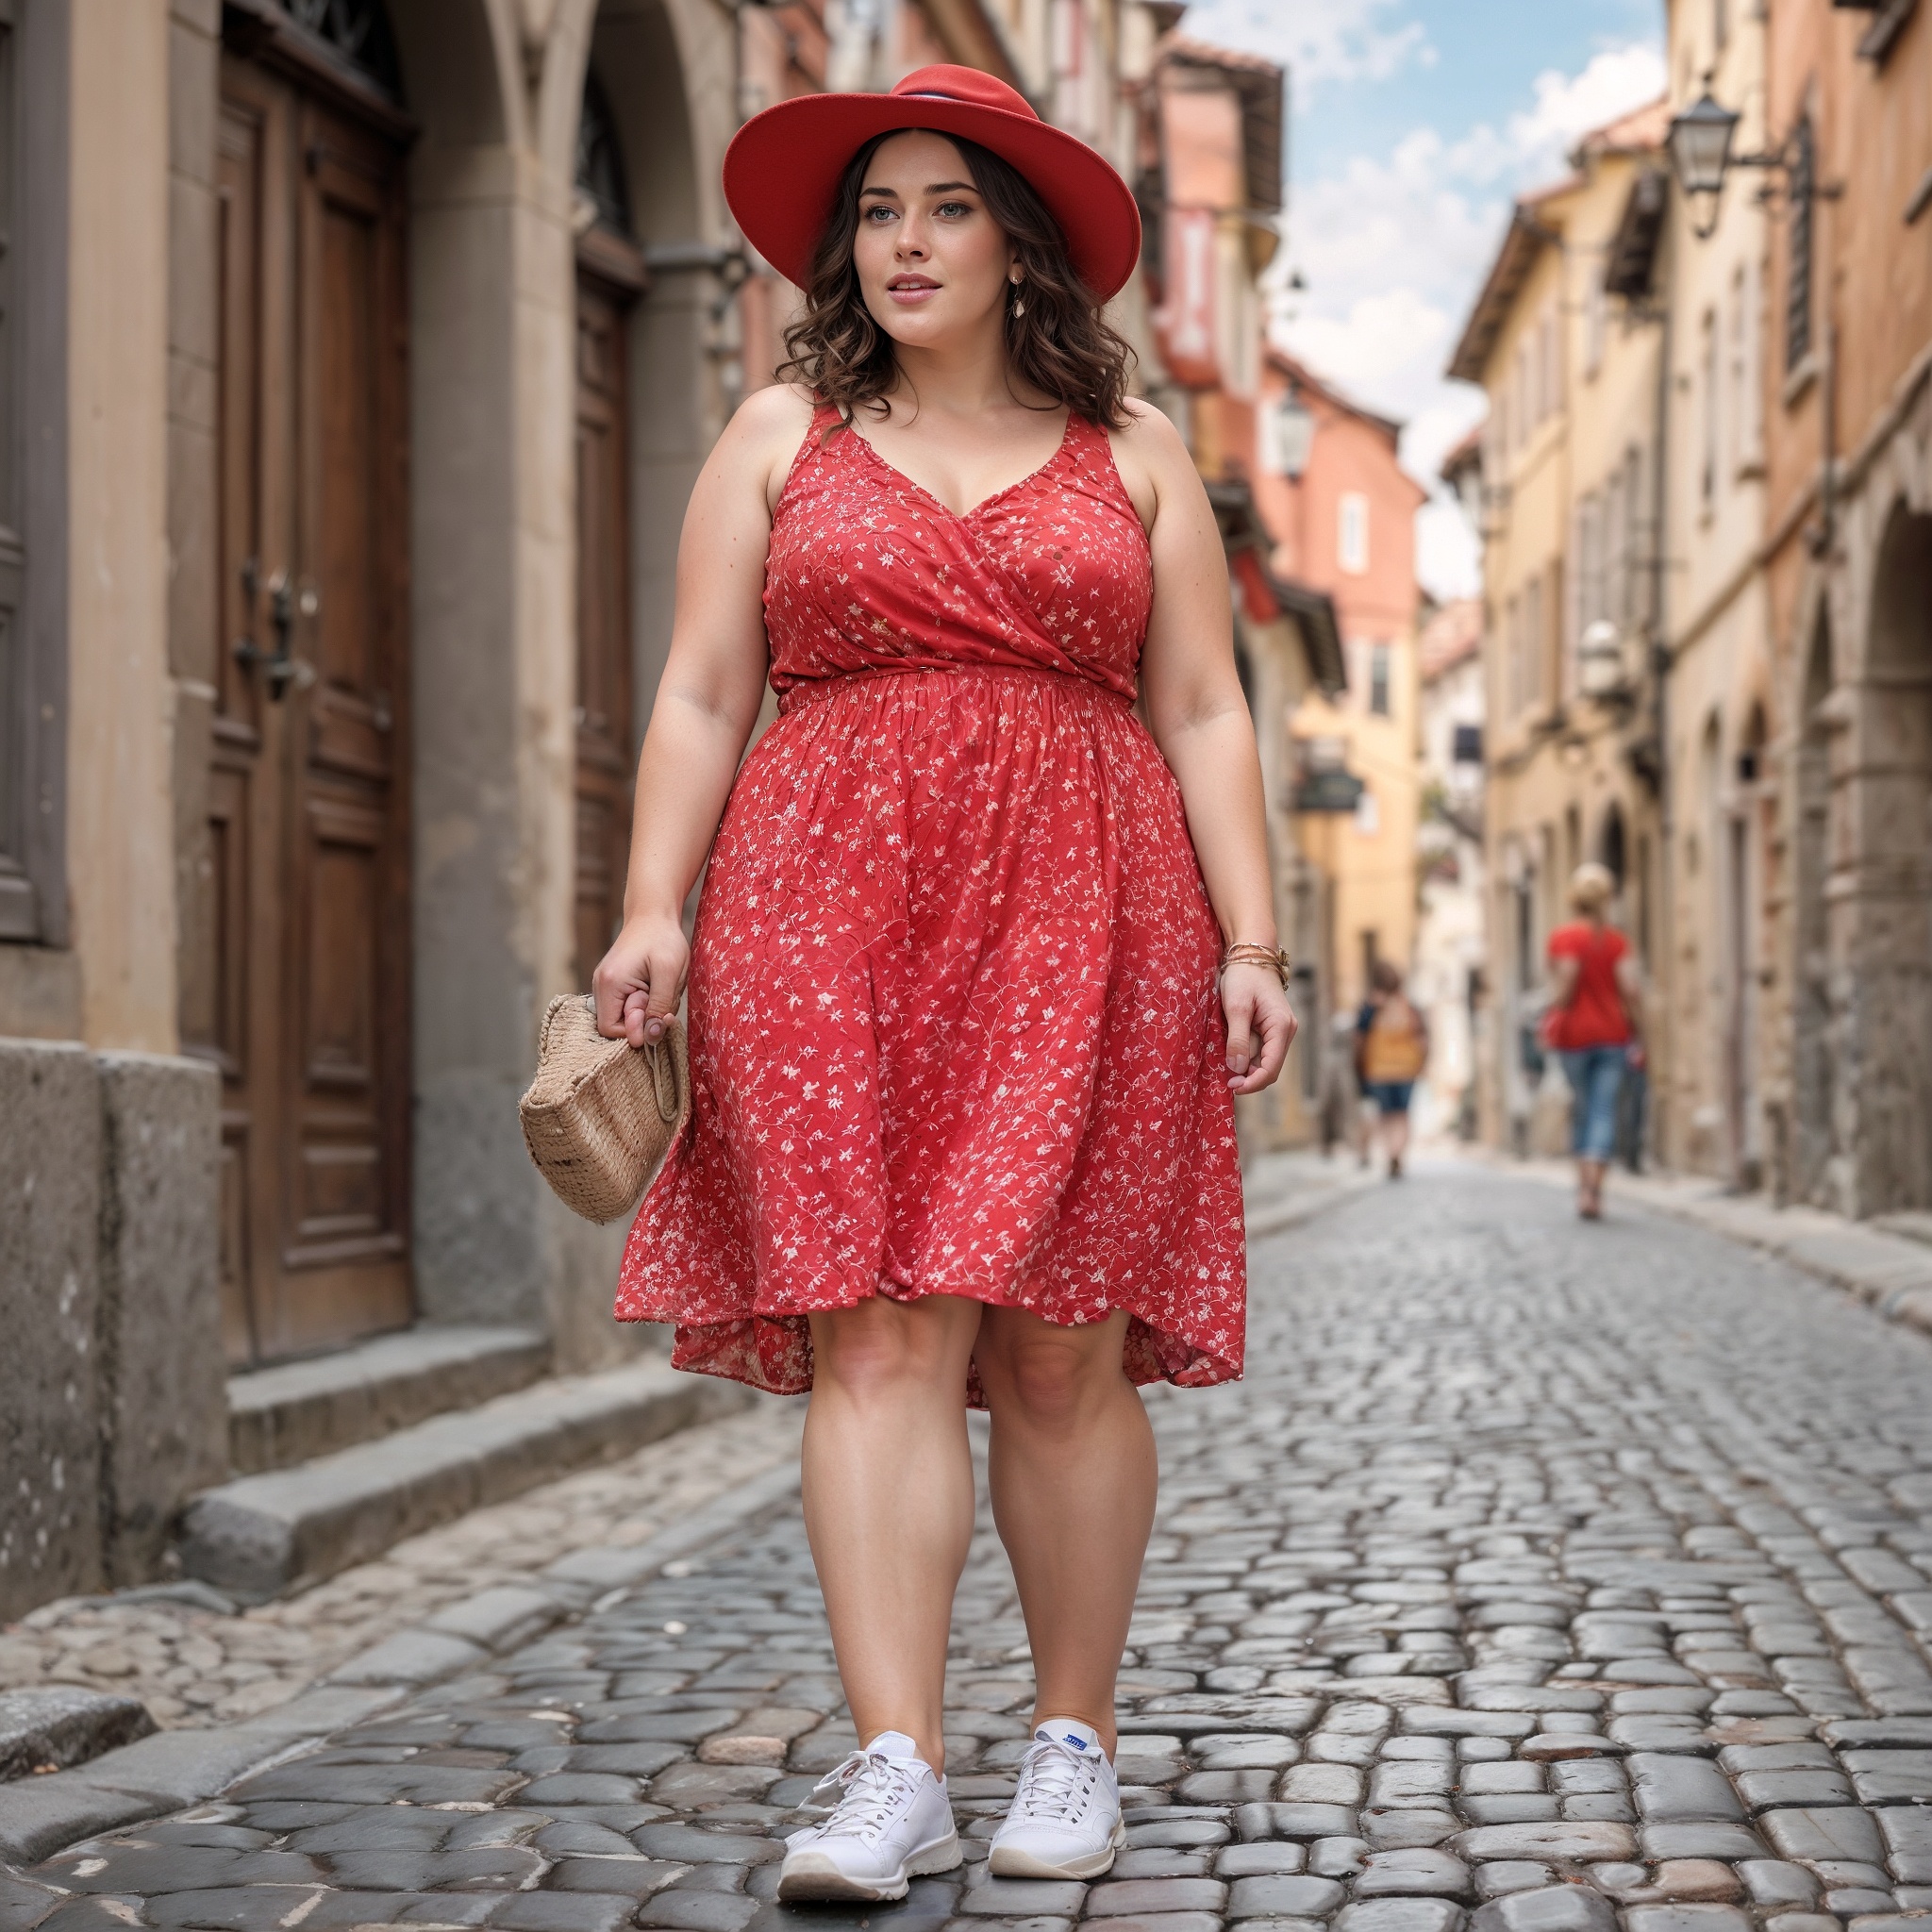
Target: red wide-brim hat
{"x": 782, "y": 169}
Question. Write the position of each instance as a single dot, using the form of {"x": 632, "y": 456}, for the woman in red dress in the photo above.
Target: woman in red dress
{"x": 981, "y": 959}
{"x": 1594, "y": 1023}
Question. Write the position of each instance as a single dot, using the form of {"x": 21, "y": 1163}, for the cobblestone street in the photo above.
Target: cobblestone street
{"x": 1539, "y": 1573}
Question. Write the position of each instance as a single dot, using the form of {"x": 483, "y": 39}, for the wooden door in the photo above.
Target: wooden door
{"x": 605, "y": 754}
{"x": 299, "y": 980}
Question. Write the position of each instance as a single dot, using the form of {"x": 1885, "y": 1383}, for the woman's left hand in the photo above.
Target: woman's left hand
{"x": 1260, "y": 1026}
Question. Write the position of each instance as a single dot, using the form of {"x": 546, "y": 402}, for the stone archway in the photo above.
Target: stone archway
{"x": 1894, "y": 867}
{"x": 1814, "y": 1058}
{"x": 679, "y": 340}
{"x": 489, "y": 595}
{"x": 1743, "y": 887}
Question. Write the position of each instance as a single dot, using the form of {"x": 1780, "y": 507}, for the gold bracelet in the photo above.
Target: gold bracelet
{"x": 1251, "y": 953}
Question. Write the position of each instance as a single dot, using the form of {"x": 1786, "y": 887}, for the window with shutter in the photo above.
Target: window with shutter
{"x": 1798, "y": 230}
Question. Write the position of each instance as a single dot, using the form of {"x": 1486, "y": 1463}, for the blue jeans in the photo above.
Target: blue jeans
{"x": 1595, "y": 1074}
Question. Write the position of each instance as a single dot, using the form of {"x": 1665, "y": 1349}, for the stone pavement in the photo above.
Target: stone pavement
{"x": 1873, "y": 1260}
{"x": 1543, "y": 1573}
{"x": 196, "y": 1660}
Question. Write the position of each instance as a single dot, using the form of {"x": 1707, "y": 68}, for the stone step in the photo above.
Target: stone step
{"x": 296, "y": 1411}
{"x": 263, "y": 1535}
{"x": 1914, "y": 1223}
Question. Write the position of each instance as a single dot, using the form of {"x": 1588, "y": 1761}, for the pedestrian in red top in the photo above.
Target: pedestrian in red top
{"x": 981, "y": 959}
{"x": 1595, "y": 1023}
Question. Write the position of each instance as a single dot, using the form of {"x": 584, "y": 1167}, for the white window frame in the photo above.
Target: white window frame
{"x": 1352, "y": 533}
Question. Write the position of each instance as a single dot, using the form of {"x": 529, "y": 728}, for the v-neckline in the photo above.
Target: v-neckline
{"x": 892, "y": 469}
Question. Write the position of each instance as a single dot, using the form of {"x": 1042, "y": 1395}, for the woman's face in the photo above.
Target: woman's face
{"x": 932, "y": 264}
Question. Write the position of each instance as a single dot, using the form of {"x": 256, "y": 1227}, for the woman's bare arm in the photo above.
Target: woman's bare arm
{"x": 1199, "y": 717}
{"x": 706, "y": 703}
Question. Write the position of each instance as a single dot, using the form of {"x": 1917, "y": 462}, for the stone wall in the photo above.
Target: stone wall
{"x": 114, "y": 1410}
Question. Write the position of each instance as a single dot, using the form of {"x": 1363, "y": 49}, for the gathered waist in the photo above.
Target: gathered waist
{"x": 813, "y": 689}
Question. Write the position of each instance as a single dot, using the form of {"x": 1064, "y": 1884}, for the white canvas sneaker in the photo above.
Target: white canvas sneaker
{"x": 1066, "y": 1817}
{"x": 892, "y": 1823}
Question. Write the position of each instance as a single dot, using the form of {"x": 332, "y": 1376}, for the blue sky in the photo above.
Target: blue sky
{"x": 1413, "y": 122}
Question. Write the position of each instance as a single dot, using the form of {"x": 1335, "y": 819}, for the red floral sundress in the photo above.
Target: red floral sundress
{"x": 953, "y": 1017}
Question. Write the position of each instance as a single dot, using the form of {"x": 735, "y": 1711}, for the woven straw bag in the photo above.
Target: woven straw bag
{"x": 601, "y": 1115}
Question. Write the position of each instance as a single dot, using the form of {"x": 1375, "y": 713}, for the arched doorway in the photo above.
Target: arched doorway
{"x": 1743, "y": 897}
{"x": 611, "y": 276}
{"x": 1895, "y": 949}
{"x": 1813, "y": 1060}
{"x": 301, "y": 965}
{"x": 1612, "y": 844}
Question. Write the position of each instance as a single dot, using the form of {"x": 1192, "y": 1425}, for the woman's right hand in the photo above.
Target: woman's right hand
{"x": 639, "y": 982}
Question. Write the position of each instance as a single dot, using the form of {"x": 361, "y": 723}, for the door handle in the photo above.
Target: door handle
{"x": 280, "y": 667}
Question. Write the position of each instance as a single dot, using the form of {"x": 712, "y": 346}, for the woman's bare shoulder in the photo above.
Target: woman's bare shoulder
{"x": 764, "y": 435}
{"x": 1152, "y": 457}
{"x": 1150, "y": 425}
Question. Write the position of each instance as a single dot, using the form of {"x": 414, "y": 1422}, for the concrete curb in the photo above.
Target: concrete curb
{"x": 1892, "y": 1273}
{"x": 62, "y": 1725}
{"x": 1273, "y": 1216}
{"x": 171, "y": 1770}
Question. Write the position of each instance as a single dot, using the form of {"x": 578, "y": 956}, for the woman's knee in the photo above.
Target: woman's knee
{"x": 882, "y": 1345}
{"x": 1051, "y": 1377}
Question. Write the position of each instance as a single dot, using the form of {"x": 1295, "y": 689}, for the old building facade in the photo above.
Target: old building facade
{"x": 1449, "y": 980}
{"x": 1848, "y": 556}
{"x": 1772, "y": 699}
{"x": 1341, "y": 511}
{"x": 1722, "y": 971}
{"x": 1570, "y": 507}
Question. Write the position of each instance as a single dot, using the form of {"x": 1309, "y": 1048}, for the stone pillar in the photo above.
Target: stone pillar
{"x": 50, "y": 1151}
{"x": 120, "y": 816}
{"x": 492, "y": 422}
{"x": 163, "y": 1398}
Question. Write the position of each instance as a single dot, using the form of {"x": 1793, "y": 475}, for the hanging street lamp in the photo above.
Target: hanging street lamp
{"x": 1700, "y": 150}
{"x": 1290, "y": 435}
{"x": 1699, "y": 144}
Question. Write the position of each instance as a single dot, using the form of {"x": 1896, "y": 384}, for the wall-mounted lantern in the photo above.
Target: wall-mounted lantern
{"x": 1290, "y": 428}
{"x": 1599, "y": 660}
{"x": 1700, "y": 149}
{"x": 1699, "y": 144}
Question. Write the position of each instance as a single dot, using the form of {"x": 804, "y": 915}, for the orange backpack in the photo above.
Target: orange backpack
{"x": 1394, "y": 1049}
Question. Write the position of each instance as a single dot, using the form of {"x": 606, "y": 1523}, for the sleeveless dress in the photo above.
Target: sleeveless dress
{"x": 953, "y": 1017}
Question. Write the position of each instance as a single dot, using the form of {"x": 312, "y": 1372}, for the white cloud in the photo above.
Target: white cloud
{"x": 1394, "y": 248}
{"x": 1321, "y": 40}
{"x": 1616, "y": 80}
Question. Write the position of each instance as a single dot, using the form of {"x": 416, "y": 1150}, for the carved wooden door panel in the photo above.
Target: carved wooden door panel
{"x": 604, "y": 752}
{"x": 300, "y": 986}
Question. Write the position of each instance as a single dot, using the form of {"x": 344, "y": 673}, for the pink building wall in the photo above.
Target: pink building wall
{"x": 1352, "y": 452}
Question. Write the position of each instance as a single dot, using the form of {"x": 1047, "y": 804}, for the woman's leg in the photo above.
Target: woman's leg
{"x": 889, "y": 1502}
{"x": 1074, "y": 1475}
{"x": 1605, "y": 1083}
{"x": 1576, "y": 1068}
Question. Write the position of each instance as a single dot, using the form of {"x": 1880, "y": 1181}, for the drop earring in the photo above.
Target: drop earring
{"x": 1018, "y": 307}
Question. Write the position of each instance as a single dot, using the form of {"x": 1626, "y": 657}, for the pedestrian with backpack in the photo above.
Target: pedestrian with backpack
{"x": 1392, "y": 1048}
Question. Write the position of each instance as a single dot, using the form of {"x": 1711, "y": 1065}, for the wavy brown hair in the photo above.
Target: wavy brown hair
{"x": 1061, "y": 343}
